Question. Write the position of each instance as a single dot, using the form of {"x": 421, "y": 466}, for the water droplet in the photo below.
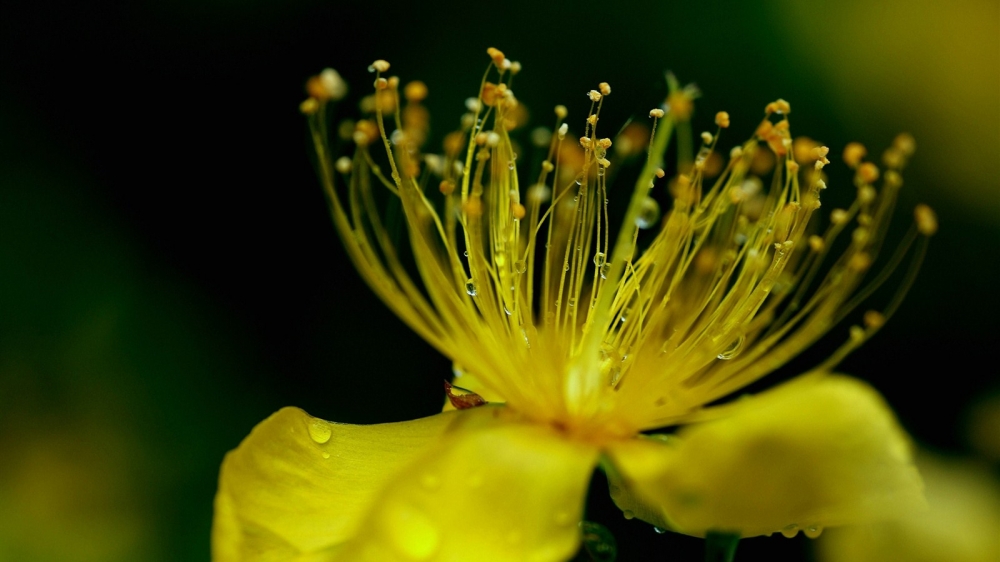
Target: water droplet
{"x": 320, "y": 431}
{"x": 789, "y": 531}
{"x": 527, "y": 342}
{"x": 430, "y": 481}
{"x": 507, "y": 310}
{"x": 520, "y": 266}
{"x": 611, "y": 364}
{"x": 628, "y": 514}
{"x": 813, "y": 531}
{"x": 371, "y": 68}
{"x": 733, "y": 349}
{"x": 659, "y": 530}
{"x": 566, "y": 267}
{"x": 624, "y": 315}
{"x": 326, "y": 455}
{"x": 510, "y": 165}
{"x": 600, "y": 171}
{"x": 605, "y": 269}
{"x": 470, "y": 288}
{"x": 411, "y": 532}
{"x": 649, "y": 213}
{"x": 465, "y": 253}
{"x": 571, "y": 302}
{"x": 599, "y": 259}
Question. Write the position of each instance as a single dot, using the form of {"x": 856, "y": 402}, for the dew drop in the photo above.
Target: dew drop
{"x": 470, "y": 288}
{"x": 465, "y": 253}
{"x": 571, "y": 302}
{"x": 326, "y": 455}
{"x": 599, "y": 259}
{"x": 371, "y": 68}
{"x": 789, "y": 531}
{"x": 510, "y": 165}
{"x": 566, "y": 268}
{"x": 520, "y": 266}
{"x": 605, "y": 269}
{"x": 628, "y": 514}
{"x": 813, "y": 531}
{"x": 320, "y": 431}
{"x": 733, "y": 349}
{"x": 659, "y": 530}
{"x": 649, "y": 213}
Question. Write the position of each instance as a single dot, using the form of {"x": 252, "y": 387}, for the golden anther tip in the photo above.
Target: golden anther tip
{"x": 379, "y": 65}
{"x": 585, "y": 142}
{"x": 854, "y": 153}
{"x": 604, "y": 143}
{"x": 874, "y": 319}
{"x": 343, "y": 165}
{"x": 473, "y": 207}
{"x": 838, "y": 216}
{"x": 660, "y": 173}
{"x": 517, "y": 210}
{"x": 594, "y": 95}
{"x": 722, "y": 119}
{"x": 792, "y": 166}
{"x": 309, "y": 106}
{"x": 816, "y": 243}
{"x": 868, "y": 173}
{"x": 656, "y": 113}
{"x": 515, "y": 67}
{"x": 926, "y": 218}
{"x": 381, "y": 84}
{"x": 415, "y": 91}
{"x": 605, "y": 88}
{"x": 604, "y": 162}
{"x": 561, "y": 111}
{"x": 706, "y": 137}
{"x": 860, "y": 261}
{"x": 905, "y": 143}
{"x": 446, "y": 187}
{"x": 592, "y": 119}
{"x": 497, "y": 56}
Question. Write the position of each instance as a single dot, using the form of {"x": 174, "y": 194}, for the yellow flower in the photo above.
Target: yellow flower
{"x": 579, "y": 342}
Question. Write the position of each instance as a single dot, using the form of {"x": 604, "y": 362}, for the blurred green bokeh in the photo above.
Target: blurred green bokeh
{"x": 168, "y": 275}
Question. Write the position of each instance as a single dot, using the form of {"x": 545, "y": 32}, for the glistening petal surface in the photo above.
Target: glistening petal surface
{"x": 297, "y": 484}
{"x": 507, "y": 492}
{"x": 811, "y": 453}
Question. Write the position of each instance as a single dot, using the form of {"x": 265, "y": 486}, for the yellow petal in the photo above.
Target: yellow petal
{"x": 810, "y": 454}
{"x": 496, "y": 493}
{"x": 297, "y": 484}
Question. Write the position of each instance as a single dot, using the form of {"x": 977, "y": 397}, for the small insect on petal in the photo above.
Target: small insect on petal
{"x": 463, "y": 399}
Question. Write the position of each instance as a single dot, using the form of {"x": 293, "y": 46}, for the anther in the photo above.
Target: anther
{"x": 563, "y": 129}
{"x": 380, "y": 65}
{"x": 874, "y": 319}
{"x": 854, "y": 152}
{"x": 309, "y": 106}
{"x": 381, "y": 84}
{"x": 660, "y": 173}
{"x": 905, "y": 143}
{"x": 706, "y": 137}
{"x": 415, "y": 91}
{"x": 867, "y": 173}
{"x": 656, "y": 113}
{"x": 561, "y": 111}
{"x": 594, "y": 95}
{"x": 592, "y": 119}
{"x": 927, "y": 222}
{"x": 605, "y": 88}
{"x": 838, "y": 216}
{"x": 343, "y": 165}
{"x": 518, "y": 210}
{"x": 722, "y": 119}
{"x": 446, "y": 187}
{"x": 816, "y": 243}
{"x": 515, "y": 67}
{"x": 496, "y": 55}
{"x": 585, "y": 142}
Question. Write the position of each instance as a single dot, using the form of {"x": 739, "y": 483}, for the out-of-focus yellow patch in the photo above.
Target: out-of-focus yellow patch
{"x": 962, "y": 524}
{"x": 804, "y": 456}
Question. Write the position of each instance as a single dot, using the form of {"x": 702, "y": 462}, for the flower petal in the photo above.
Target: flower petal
{"x": 512, "y": 492}
{"x": 811, "y": 453}
{"x": 298, "y": 484}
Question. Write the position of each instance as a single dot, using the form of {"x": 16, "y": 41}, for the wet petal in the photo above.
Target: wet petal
{"x": 298, "y": 485}
{"x": 809, "y": 454}
{"x": 506, "y": 492}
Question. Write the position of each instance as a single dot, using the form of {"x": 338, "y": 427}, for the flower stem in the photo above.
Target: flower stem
{"x": 720, "y": 547}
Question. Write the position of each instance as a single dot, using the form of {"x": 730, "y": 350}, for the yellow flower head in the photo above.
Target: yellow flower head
{"x": 579, "y": 340}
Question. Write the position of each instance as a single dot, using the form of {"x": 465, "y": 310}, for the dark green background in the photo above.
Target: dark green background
{"x": 168, "y": 268}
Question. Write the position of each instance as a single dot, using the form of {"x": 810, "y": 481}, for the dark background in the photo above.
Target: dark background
{"x": 169, "y": 275}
